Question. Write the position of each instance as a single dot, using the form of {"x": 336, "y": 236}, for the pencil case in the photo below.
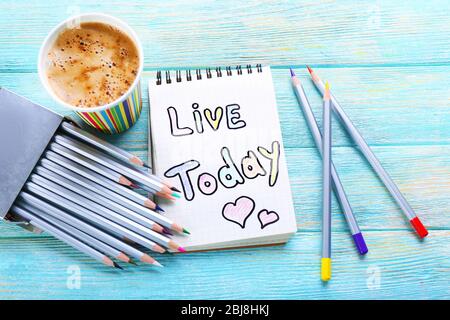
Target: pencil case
{"x": 26, "y": 129}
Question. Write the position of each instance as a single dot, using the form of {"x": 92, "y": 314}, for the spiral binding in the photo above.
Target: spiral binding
{"x": 208, "y": 73}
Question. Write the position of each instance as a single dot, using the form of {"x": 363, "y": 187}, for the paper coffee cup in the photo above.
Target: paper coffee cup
{"x": 113, "y": 117}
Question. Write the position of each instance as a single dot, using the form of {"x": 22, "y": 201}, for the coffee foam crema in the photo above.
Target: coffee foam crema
{"x": 92, "y": 65}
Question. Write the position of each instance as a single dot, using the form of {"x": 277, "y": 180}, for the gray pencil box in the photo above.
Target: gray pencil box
{"x": 25, "y": 131}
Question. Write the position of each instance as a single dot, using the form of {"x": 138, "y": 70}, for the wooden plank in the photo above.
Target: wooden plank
{"x": 203, "y": 33}
{"x": 407, "y": 268}
{"x": 420, "y": 172}
{"x": 390, "y": 106}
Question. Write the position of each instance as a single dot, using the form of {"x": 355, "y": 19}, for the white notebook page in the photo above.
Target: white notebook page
{"x": 230, "y": 163}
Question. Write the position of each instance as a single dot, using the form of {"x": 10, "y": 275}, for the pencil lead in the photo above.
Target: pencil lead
{"x": 166, "y": 231}
{"x": 175, "y": 189}
{"x": 292, "y": 72}
{"x": 327, "y": 85}
{"x": 156, "y": 263}
{"x": 309, "y": 69}
{"x": 181, "y": 249}
{"x": 158, "y": 208}
{"x": 176, "y": 195}
{"x": 117, "y": 266}
{"x": 185, "y": 231}
{"x": 134, "y": 185}
{"x": 132, "y": 262}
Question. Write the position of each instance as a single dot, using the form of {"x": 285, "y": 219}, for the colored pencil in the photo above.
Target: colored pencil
{"x": 101, "y": 144}
{"x": 110, "y": 149}
{"x": 88, "y": 184}
{"x": 84, "y": 161}
{"x": 103, "y": 201}
{"x": 83, "y": 237}
{"x": 372, "y": 159}
{"x": 92, "y": 217}
{"x": 57, "y": 233}
{"x": 106, "y": 213}
{"x": 143, "y": 180}
{"x": 326, "y": 188}
{"x": 28, "y": 199}
{"x": 337, "y": 185}
{"x": 53, "y": 160}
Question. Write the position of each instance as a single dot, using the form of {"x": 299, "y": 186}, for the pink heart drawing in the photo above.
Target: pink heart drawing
{"x": 266, "y": 217}
{"x": 238, "y": 211}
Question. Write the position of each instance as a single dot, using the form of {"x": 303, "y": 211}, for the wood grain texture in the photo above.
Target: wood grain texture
{"x": 408, "y": 269}
{"x": 388, "y": 63}
{"x": 205, "y": 33}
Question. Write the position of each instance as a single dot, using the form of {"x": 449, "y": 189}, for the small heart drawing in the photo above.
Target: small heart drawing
{"x": 239, "y": 211}
{"x": 266, "y": 217}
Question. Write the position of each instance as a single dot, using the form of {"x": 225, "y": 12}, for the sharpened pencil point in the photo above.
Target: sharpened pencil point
{"x": 176, "y": 195}
{"x": 175, "y": 189}
{"x": 327, "y": 85}
{"x": 181, "y": 249}
{"x": 133, "y": 185}
{"x": 117, "y": 266}
{"x": 166, "y": 231}
{"x": 185, "y": 231}
{"x": 132, "y": 262}
{"x": 309, "y": 69}
{"x": 156, "y": 263}
{"x": 292, "y": 72}
{"x": 158, "y": 208}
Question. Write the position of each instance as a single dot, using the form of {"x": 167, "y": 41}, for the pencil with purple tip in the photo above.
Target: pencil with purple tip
{"x": 336, "y": 181}
{"x": 372, "y": 159}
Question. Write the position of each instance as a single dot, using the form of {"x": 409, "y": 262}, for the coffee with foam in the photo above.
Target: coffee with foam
{"x": 92, "y": 65}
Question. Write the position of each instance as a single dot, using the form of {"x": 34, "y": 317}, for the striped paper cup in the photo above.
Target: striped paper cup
{"x": 118, "y": 115}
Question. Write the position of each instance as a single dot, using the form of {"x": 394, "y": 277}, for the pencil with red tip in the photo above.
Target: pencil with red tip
{"x": 372, "y": 159}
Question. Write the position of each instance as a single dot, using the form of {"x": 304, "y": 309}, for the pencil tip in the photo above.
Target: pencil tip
{"x": 158, "y": 208}
{"x": 327, "y": 86}
{"x": 117, "y": 266}
{"x": 292, "y": 72}
{"x": 186, "y": 231}
{"x": 132, "y": 262}
{"x": 309, "y": 69}
{"x": 175, "y": 189}
{"x": 166, "y": 231}
{"x": 156, "y": 263}
{"x": 181, "y": 249}
{"x": 176, "y": 195}
{"x": 133, "y": 185}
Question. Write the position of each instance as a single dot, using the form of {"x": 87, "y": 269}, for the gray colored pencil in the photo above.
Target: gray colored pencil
{"x": 101, "y": 144}
{"x": 105, "y": 212}
{"x": 28, "y": 199}
{"x": 336, "y": 181}
{"x": 105, "y": 192}
{"x": 93, "y": 217}
{"x": 74, "y": 232}
{"x": 88, "y": 163}
{"x": 112, "y": 150}
{"x": 60, "y": 161}
{"x": 103, "y": 201}
{"x": 57, "y": 233}
{"x": 373, "y": 160}
{"x": 326, "y": 188}
{"x": 145, "y": 181}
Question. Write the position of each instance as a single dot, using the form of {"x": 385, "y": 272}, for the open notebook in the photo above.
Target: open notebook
{"x": 215, "y": 134}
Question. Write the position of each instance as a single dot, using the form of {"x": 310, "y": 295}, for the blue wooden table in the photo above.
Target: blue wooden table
{"x": 388, "y": 63}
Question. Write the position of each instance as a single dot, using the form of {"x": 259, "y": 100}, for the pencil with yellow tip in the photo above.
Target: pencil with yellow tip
{"x": 326, "y": 188}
